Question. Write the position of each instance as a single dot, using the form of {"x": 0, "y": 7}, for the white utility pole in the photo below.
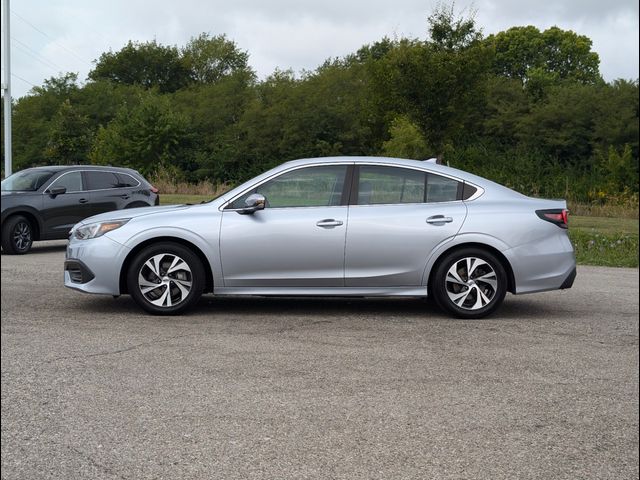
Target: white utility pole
{"x": 6, "y": 88}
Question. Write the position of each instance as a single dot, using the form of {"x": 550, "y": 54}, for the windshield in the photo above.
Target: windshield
{"x": 26, "y": 181}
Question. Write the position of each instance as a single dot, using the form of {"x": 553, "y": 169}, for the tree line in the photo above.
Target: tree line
{"x": 524, "y": 107}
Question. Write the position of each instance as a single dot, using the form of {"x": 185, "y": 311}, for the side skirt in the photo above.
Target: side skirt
{"x": 324, "y": 291}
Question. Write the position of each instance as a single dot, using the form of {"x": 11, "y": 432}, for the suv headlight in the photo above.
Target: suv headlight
{"x": 95, "y": 230}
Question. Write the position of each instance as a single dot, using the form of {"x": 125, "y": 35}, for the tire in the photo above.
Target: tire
{"x": 474, "y": 297}
{"x": 17, "y": 235}
{"x": 175, "y": 269}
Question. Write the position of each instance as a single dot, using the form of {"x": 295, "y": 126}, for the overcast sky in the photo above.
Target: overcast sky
{"x": 52, "y": 36}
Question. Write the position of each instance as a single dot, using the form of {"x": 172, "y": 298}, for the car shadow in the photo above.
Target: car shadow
{"x": 408, "y": 309}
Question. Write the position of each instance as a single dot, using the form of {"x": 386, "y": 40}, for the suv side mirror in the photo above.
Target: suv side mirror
{"x": 253, "y": 203}
{"x": 57, "y": 191}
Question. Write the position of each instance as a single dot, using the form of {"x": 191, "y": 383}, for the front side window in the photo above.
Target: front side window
{"x": 72, "y": 181}
{"x": 101, "y": 180}
{"x": 305, "y": 187}
{"x": 387, "y": 185}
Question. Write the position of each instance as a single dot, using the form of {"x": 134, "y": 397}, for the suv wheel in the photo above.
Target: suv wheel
{"x": 469, "y": 283}
{"x": 17, "y": 235}
{"x": 166, "y": 279}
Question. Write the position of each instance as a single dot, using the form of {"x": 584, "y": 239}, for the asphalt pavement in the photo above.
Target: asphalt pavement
{"x": 263, "y": 388}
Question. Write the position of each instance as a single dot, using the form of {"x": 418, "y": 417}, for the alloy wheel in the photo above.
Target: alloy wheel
{"x": 22, "y": 236}
{"x": 471, "y": 283}
{"x": 165, "y": 280}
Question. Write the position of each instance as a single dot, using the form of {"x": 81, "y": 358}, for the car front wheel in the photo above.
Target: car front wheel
{"x": 166, "y": 279}
{"x": 17, "y": 235}
{"x": 469, "y": 283}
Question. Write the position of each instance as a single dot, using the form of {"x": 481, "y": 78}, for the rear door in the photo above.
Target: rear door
{"x": 106, "y": 194}
{"x": 397, "y": 217}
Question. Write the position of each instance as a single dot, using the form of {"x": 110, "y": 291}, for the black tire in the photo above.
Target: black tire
{"x": 171, "y": 285}
{"x": 486, "y": 288}
{"x": 17, "y": 235}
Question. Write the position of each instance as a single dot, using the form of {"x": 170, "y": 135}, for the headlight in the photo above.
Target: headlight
{"x": 95, "y": 230}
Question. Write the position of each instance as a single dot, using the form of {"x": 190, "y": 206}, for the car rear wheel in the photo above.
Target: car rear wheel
{"x": 166, "y": 279}
{"x": 17, "y": 235}
{"x": 469, "y": 283}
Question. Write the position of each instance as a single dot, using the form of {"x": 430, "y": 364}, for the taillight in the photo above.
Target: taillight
{"x": 154, "y": 189}
{"x": 560, "y": 217}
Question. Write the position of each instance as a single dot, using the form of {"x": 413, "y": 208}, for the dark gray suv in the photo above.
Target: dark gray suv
{"x": 43, "y": 203}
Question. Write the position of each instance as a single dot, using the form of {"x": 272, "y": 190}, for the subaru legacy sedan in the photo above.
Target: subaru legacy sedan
{"x": 44, "y": 203}
{"x": 344, "y": 226}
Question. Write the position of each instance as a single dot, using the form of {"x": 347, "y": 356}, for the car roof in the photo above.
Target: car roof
{"x": 62, "y": 168}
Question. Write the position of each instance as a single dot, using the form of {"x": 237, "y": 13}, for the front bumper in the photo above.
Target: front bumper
{"x": 93, "y": 266}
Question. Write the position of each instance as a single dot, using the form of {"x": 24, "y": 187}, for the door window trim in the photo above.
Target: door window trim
{"x": 85, "y": 182}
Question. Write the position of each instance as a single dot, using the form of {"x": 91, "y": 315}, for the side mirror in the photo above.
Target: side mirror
{"x": 57, "y": 191}
{"x": 253, "y": 203}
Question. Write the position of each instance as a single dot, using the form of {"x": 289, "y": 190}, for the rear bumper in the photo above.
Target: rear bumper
{"x": 568, "y": 282}
{"x": 544, "y": 264}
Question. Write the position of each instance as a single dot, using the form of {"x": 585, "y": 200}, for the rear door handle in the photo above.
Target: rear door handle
{"x": 124, "y": 196}
{"x": 83, "y": 200}
{"x": 329, "y": 223}
{"x": 439, "y": 219}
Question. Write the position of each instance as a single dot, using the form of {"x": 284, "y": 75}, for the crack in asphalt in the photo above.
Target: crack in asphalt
{"x": 121, "y": 350}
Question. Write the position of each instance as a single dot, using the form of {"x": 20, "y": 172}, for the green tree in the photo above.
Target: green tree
{"x": 70, "y": 137}
{"x": 560, "y": 54}
{"x": 209, "y": 59}
{"x": 406, "y": 141}
{"x": 144, "y": 137}
{"x": 148, "y": 64}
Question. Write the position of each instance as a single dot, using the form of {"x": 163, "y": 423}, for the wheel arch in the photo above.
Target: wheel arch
{"x": 511, "y": 282}
{"x": 185, "y": 243}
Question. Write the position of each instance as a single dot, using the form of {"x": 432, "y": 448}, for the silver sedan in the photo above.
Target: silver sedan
{"x": 344, "y": 226}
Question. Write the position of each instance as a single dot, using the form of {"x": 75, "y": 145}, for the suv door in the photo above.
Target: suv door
{"x": 105, "y": 192}
{"x": 397, "y": 217}
{"x": 297, "y": 240}
{"x": 61, "y": 212}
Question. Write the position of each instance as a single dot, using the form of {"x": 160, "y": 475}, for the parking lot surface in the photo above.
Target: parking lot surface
{"x": 244, "y": 388}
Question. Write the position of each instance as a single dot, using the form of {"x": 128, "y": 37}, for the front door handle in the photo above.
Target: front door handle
{"x": 83, "y": 200}
{"x": 436, "y": 219}
{"x": 329, "y": 223}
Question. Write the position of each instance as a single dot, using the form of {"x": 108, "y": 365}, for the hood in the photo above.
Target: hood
{"x": 133, "y": 213}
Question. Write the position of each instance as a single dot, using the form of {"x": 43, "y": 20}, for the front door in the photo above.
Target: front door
{"x": 61, "y": 212}
{"x": 297, "y": 240}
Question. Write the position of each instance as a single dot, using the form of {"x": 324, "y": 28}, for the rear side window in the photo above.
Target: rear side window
{"x": 72, "y": 181}
{"x": 384, "y": 185}
{"x": 126, "y": 180}
{"x": 101, "y": 180}
{"x": 442, "y": 189}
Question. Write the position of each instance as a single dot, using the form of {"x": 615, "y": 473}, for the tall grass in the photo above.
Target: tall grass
{"x": 168, "y": 182}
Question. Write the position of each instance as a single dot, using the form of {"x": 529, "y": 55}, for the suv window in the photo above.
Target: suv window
{"x": 384, "y": 185}
{"x": 305, "y": 187}
{"x": 72, "y": 181}
{"x": 101, "y": 180}
{"x": 126, "y": 180}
